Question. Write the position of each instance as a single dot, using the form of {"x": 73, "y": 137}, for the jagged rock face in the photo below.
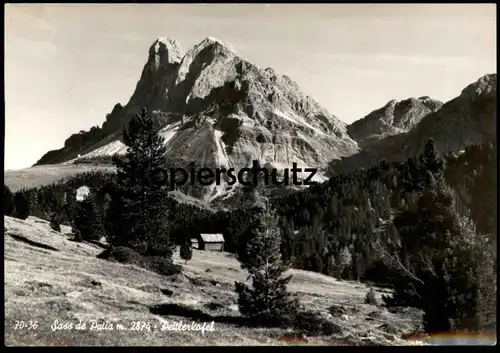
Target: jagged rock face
{"x": 396, "y": 117}
{"x": 469, "y": 119}
{"x": 222, "y": 110}
{"x": 158, "y": 76}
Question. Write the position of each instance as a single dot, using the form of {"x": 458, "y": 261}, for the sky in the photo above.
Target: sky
{"x": 66, "y": 66}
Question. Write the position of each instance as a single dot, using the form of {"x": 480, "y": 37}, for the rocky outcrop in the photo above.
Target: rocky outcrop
{"x": 396, "y": 117}
{"x": 469, "y": 119}
{"x": 218, "y": 108}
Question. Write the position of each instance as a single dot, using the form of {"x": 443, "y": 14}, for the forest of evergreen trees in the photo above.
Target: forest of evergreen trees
{"x": 328, "y": 228}
{"x": 339, "y": 220}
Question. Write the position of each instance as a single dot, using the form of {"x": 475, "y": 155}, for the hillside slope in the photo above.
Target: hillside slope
{"x": 47, "y": 174}
{"x": 49, "y": 277}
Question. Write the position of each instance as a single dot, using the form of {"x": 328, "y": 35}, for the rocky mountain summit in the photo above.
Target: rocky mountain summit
{"x": 396, "y": 117}
{"x": 218, "y": 109}
{"x": 469, "y": 119}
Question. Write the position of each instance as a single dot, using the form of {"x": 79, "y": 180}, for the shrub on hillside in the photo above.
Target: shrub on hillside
{"x": 55, "y": 223}
{"x": 78, "y": 236}
{"x": 370, "y": 297}
{"x": 124, "y": 255}
{"x": 310, "y": 322}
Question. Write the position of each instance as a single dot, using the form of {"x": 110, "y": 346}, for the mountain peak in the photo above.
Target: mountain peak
{"x": 484, "y": 85}
{"x": 396, "y": 117}
{"x": 215, "y": 43}
{"x": 166, "y": 50}
{"x": 166, "y": 41}
{"x": 213, "y": 40}
{"x": 469, "y": 119}
{"x": 218, "y": 109}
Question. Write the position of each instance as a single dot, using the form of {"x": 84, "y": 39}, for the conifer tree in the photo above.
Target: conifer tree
{"x": 137, "y": 214}
{"x": 370, "y": 297}
{"x": 55, "y": 222}
{"x": 431, "y": 159}
{"x": 186, "y": 251}
{"x": 22, "y": 204}
{"x": 439, "y": 271}
{"x": 268, "y": 302}
{"x": 8, "y": 201}
{"x": 253, "y": 203}
{"x": 430, "y": 164}
{"x": 70, "y": 205}
{"x": 87, "y": 221}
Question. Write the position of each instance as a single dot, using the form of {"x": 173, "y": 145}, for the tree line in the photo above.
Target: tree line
{"x": 328, "y": 228}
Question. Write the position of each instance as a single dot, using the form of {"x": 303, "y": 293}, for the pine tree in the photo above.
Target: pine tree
{"x": 8, "y": 201}
{"x": 267, "y": 302}
{"x": 22, "y": 204}
{"x": 438, "y": 262}
{"x": 370, "y": 297}
{"x": 186, "y": 251}
{"x": 254, "y": 187}
{"x": 137, "y": 215}
{"x": 431, "y": 160}
{"x": 344, "y": 260}
{"x": 431, "y": 165}
{"x": 87, "y": 221}
{"x": 70, "y": 205}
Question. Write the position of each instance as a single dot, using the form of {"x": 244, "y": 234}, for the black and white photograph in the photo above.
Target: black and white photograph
{"x": 250, "y": 174}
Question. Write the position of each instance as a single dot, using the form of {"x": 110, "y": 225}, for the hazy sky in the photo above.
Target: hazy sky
{"x": 66, "y": 66}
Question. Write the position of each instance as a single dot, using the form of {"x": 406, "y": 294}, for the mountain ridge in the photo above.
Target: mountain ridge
{"x": 210, "y": 99}
{"x": 468, "y": 119}
{"x": 394, "y": 118}
{"x": 219, "y": 110}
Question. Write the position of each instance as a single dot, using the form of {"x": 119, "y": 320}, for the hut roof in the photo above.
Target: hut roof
{"x": 212, "y": 237}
